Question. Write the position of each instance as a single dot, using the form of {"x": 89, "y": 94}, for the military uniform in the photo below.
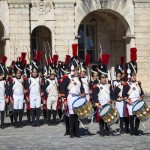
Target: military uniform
{"x": 17, "y": 93}
{"x": 3, "y": 91}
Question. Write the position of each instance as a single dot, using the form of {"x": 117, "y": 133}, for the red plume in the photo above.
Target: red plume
{"x": 49, "y": 61}
{"x": 38, "y": 56}
{"x": 55, "y": 59}
{"x": 122, "y": 59}
{"x": 23, "y": 56}
{"x": 67, "y": 59}
{"x": 105, "y": 58}
{"x": 87, "y": 59}
{"x": 74, "y": 49}
{"x": 4, "y": 59}
{"x": 133, "y": 54}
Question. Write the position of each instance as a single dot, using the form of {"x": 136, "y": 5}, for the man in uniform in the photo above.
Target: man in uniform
{"x": 52, "y": 93}
{"x": 102, "y": 94}
{"x": 17, "y": 92}
{"x": 3, "y": 91}
{"x": 121, "y": 104}
{"x": 132, "y": 92}
{"x": 34, "y": 90}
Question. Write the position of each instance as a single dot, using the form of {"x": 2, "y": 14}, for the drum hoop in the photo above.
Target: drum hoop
{"x": 138, "y": 103}
{"x": 103, "y": 108}
{"x": 77, "y": 100}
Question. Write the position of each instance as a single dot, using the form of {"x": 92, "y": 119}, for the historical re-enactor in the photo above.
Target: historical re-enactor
{"x": 102, "y": 94}
{"x": 121, "y": 104}
{"x": 52, "y": 93}
{"x": 34, "y": 90}
{"x": 4, "y": 95}
{"x": 75, "y": 90}
{"x": 64, "y": 93}
{"x": 17, "y": 91}
{"x": 132, "y": 92}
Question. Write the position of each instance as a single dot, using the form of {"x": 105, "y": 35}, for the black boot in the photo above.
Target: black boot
{"x": 29, "y": 117}
{"x": 126, "y": 123}
{"x": 137, "y": 123}
{"x": 66, "y": 121}
{"x": 20, "y": 118}
{"x": 15, "y": 113}
{"x": 54, "y": 117}
{"x": 33, "y": 116}
{"x": 2, "y": 120}
{"x": 11, "y": 118}
{"x": 131, "y": 119}
{"x": 101, "y": 127}
{"x": 49, "y": 117}
{"x": 60, "y": 114}
{"x": 72, "y": 125}
{"x": 76, "y": 129}
{"x": 121, "y": 125}
{"x": 38, "y": 112}
{"x": 45, "y": 115}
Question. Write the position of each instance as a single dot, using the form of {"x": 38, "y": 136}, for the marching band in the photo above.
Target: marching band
{"x": 75, "y": 91}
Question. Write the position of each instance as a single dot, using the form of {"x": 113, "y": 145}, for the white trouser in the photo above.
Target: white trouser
{"x": 2, "y": 104}
{"x": 18, "y": 101}
{"x": 71, "y": 99}
{"x": 35, "y": 101}
{"x": 130, "y": 107}
{"x": 52, "y": 102}
{"x": 121, "y": 108}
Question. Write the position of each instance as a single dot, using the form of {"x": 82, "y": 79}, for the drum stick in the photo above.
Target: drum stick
{"x": 82, "y": 124}
{"x": 143, "y": 125}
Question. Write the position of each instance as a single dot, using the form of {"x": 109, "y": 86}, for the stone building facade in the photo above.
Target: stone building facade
{"x": 108, "y": 26}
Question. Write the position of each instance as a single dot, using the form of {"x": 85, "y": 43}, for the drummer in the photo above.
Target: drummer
{"x": 132, "y": 92}
{"x": 121, "y": 105}
{"x": 102, "y": 94}
{"x": 75, "y": 90}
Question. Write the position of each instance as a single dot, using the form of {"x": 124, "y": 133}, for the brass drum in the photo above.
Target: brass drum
{"x": 108, "y": 114}
{"x": 141, "y": 110}
{"x": 83, "y": 108}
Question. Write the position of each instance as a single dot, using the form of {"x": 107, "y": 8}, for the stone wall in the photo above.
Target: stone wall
{"x": 64, "y": 26}
{"x": 19, "y": 28}
{"x": 142, "y": 41}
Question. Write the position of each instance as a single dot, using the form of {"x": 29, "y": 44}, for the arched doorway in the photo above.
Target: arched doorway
{"x": 2, "y": 42}
{"x": 41, "y": 40}
{"x": 103, "y": 30}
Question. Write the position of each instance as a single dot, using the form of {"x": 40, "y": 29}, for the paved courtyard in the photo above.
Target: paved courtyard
{"x": 45, "y": 138}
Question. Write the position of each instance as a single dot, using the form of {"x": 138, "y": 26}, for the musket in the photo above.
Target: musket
{"x": 45, "y": 54}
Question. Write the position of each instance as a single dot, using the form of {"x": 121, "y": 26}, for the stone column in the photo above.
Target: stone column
{"x": 19, "y": 27}
{"x": 64, "y": 15}
{"x": 142, "y": 41}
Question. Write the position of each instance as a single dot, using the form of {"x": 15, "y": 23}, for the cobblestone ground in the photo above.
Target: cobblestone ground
{"x": 46, "y": 137}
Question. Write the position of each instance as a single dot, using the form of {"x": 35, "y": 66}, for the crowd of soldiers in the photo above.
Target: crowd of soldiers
{"x": 55, "y": 85}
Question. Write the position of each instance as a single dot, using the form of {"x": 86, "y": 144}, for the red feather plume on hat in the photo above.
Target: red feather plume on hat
{"x": 4, "y": 59}
{"x": 74, "y": 50}
{"x": 23, "y": 56}
{"x": 38, "y": 56}
{"x": 87, "y": 59}
{"x": 49, "y": 61}
{"x": 55, "y": 59}
{"x": 133, "y": 54}
{"x": 105, "y": 58}
{"x": 122, "y": 59}
{"x": 67, "y": 59}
